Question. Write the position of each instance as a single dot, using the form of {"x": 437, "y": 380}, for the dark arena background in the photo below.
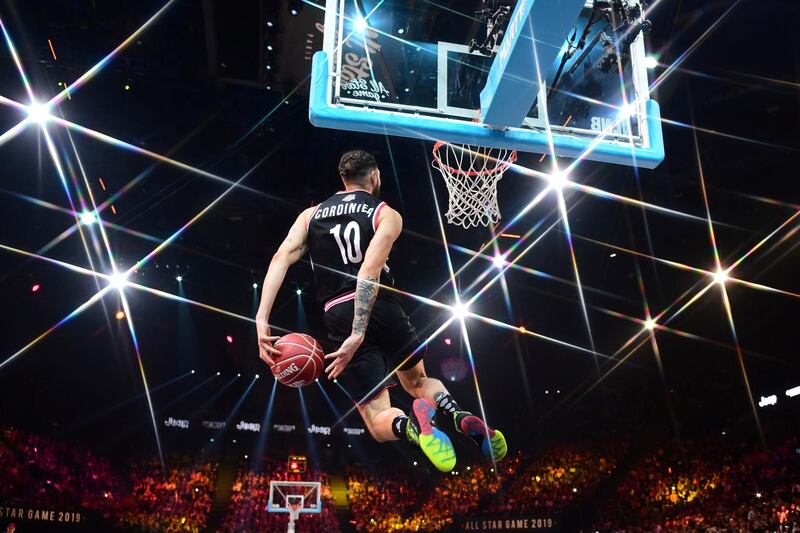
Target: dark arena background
{"x": 634, "y": 332}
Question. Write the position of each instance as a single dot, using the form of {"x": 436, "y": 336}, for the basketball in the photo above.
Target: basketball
{"x": 300, "y": 362}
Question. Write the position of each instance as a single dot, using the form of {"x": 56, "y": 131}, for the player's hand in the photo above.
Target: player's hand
{"x": 343, "y": 355}
{"x": 266, "y": 351}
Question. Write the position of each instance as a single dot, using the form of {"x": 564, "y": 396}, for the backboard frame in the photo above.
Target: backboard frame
{"x": 329, "y": 109}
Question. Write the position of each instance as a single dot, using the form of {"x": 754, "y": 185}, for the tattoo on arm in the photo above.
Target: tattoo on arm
{"x": 366, "y": 293}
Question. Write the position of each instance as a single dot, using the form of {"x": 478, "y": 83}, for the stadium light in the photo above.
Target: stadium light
{"x": 460, "y": 311}
{"x": 88, "y": 218}
{"x": 558, "y": 180}
{"x": 118, "y": 280}
{"x": 38, "y": 113}
{"x": 628, "y": 110}
{"x": 360, "y": 24}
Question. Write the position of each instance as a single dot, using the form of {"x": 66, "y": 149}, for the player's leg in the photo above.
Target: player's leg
{"x": 379, "y": 417}
{"x": 417, "y": 383}
{"x": 387, "y": 423}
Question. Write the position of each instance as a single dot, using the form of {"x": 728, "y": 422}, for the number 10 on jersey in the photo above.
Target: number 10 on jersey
{"x": 349, "y": 243}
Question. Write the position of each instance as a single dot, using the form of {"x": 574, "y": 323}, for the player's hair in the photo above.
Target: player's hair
{"x": 355, "y": 165}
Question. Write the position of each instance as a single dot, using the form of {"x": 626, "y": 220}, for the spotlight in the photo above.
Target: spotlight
{"x": 558, "y": 180}
{"x": 627, "y": 111}
{"x": 460, "y": 311}
{"x": 360, "y": 24}
{"x": 192, "y": 371}
{"x": 245, "y": 456}
{"x": 448, "y": 341}
{"x": 650, "y": 62}
{"x": 758, "y": 495}
{"x": 401, "y": 31}
{"x": 270, "y": 24}
{"x": 127, "y": 87}
{"x": 38, "y": 113}
{"x": 293, "y": 12}
{"x": 612, "y": 256}
{"x": 415, "y": 463}
{"x": 238, "y": 375}
{"x": 229, "y": 339}
{"x": 212, "y": 439}
{"x": 650, "y": 324}
{"x": 255, "y": 285}
{"x": 120, "y": 315}
{"x": 269, "y": 47}
{"x": 218, "y": 373}
{"x": 298, "y": 292}
{"x": 499, "y": 261}
{"x": 36, "y": 288}
{"x": 258, "y": 376}
{"x": 118, "y": 280}
{"x": 721, "y": 276}
{"x": 335, "y": 381}
{"x": 179, "y": 278}
{"x": 88, "y": 218}
{"x": 523, "y": 330}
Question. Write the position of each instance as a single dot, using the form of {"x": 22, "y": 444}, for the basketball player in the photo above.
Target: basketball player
{"x": 349, "y": 237}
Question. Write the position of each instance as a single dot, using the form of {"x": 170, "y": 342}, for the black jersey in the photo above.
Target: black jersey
{"x": 339, "y": 232}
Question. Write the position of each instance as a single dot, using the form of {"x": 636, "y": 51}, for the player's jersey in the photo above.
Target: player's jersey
{"x": 339, "y": 232}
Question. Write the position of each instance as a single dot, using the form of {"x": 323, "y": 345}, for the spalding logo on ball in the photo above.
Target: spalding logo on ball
{"x": 300, "y": 362}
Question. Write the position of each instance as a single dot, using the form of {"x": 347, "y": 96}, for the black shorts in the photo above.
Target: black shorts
{"x": 390, "y": 340}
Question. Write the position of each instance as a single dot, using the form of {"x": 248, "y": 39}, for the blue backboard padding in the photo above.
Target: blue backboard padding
{"x": 512, "y": 84}
{"x": 377, "y": 121}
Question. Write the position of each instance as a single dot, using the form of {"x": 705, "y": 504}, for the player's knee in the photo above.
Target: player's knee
{"x": 375, "y": 434}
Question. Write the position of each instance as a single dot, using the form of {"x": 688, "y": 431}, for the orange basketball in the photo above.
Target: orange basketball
{"x": 300, "y": 362}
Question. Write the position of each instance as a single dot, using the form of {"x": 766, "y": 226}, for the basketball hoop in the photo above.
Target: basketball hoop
{"x": 471, "y": 174}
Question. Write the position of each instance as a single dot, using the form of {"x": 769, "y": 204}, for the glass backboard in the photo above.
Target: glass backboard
{"x": 432, "y": 70}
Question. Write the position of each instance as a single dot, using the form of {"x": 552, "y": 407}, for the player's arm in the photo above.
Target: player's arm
{"x": 291, "y": 250}
{"x": 390, "y": 224}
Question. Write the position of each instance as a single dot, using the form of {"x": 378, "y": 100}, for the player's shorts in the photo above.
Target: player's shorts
{"x": 390, "y": 339}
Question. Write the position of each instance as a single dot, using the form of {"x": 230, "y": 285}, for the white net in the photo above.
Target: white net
{"x": 471, "y": 174}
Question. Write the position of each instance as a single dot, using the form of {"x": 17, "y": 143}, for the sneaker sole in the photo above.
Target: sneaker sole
{"x": 434, "y": 443}
{"x": 495, "y": 446}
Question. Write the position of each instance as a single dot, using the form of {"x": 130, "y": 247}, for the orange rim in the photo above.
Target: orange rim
{"x": 502, "y": 166}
